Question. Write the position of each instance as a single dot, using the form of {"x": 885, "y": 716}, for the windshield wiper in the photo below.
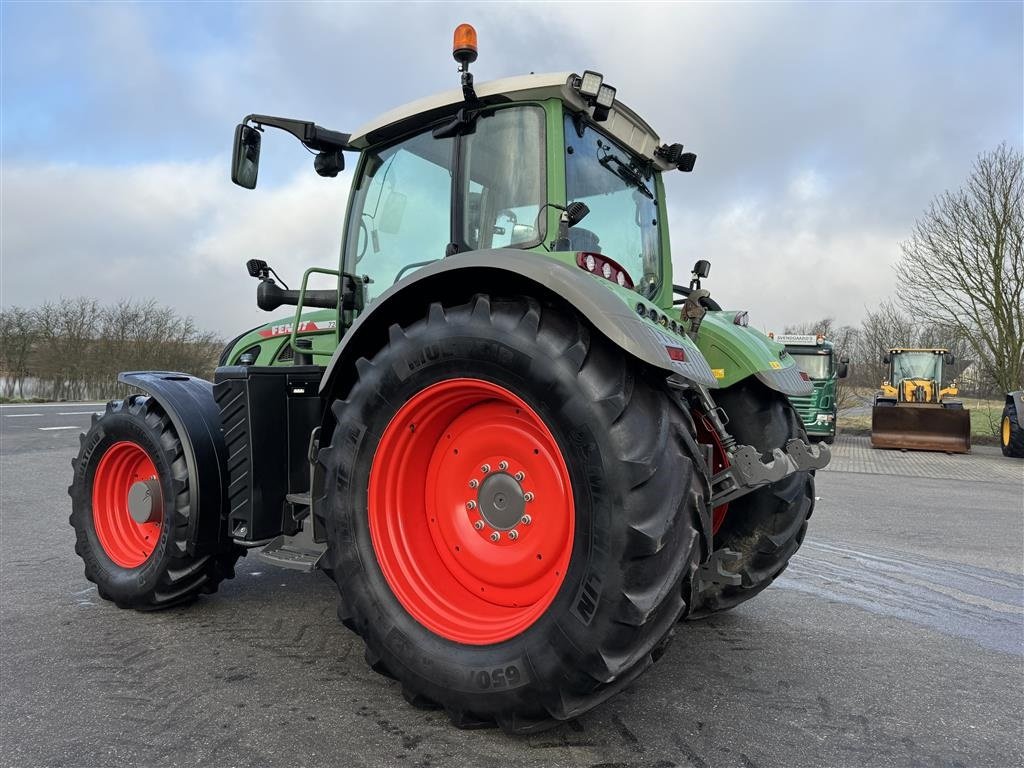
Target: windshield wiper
{"x": 626, "y": 172}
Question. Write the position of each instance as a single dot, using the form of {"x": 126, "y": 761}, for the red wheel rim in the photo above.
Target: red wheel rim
{"x": 127, "y": 542}
{"x": 453, "y": 470}
{"x": 719, "y": 461}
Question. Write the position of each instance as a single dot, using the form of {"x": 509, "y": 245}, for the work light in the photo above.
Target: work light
{"x": 590, "y": 84}
{"x": 605, "y": 96}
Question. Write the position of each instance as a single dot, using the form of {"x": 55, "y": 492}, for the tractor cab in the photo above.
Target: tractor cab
{"x": 916, "y": 375}
{"x": 552, "y": 164}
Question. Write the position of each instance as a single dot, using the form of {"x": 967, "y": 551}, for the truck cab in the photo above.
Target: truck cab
{"x": 815, "y": 356}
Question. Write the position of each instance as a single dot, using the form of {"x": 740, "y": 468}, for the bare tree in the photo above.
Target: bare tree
{"x": 963, "y": 266}
{"x": 18, "y": 331}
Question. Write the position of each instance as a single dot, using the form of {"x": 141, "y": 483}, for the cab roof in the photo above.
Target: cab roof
{"x": 622, "y": 123}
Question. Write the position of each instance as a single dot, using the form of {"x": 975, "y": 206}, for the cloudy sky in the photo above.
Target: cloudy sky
{"x": 822, "y": 131}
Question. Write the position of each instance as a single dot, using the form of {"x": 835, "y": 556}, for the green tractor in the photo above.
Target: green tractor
{"x": 522, "y": 453}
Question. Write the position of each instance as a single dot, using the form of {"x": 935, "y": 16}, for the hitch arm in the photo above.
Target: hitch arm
{"x": 747, "y": 472}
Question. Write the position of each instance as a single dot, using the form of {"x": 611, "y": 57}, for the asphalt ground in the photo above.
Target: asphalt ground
{"x": 896, "y": 638}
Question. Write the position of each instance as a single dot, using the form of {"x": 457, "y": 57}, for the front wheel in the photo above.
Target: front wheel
{"x": 514, "y": 513}
{"x": 766, "y": 527}
{"x": 130, "y": 508}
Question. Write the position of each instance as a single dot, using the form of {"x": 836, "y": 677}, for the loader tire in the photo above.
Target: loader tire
{"x": 132, "y": 459}
{"x": 764, "y": 528}
{"x": 1011, "y": 434}
{"x": 513, "y": 508}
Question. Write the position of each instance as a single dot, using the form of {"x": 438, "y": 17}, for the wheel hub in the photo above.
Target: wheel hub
{"x": 144, "y": 500}
{"x": 500, "y": 501}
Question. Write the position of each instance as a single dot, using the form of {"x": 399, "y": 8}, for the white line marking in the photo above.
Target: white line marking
{"x": 49, "y": 405}
{"x": 75, "y": 413}
{"x": 21, "y": 415}
{"x": 47, "y": 429}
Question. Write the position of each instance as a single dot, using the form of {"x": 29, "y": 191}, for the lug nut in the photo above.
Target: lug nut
{"x": 485, "y": 468}
{"x": 479, "y": 525}
{"x": 495, "y": 536}
{"x": 470, "y": 505}
{"x": 513, "y": 535}
{"x": 474, "y": 483}
{"x": 520, "y": 476}
{"x": 526, "y": 520}
{"x": 527, "y": 496}
{"x": 503, "y": 466}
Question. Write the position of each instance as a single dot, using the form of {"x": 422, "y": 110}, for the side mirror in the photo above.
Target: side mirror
{"x": 948, "y": 358}
{"x": 886, "y": 359}
{"x": 245, "y": 157}
{"x": 702, "y": 268}
{"x": 844, "y": 368}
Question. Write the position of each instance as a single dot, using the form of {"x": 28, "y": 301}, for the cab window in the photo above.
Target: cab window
{"x": 401, "y": 211}
{"x": 502, "y": 168}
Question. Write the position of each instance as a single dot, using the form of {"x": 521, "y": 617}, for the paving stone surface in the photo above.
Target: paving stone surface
{"x": 984, "y": 463}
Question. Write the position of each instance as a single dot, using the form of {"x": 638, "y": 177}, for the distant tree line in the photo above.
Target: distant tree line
{"x": 73, "y": 349}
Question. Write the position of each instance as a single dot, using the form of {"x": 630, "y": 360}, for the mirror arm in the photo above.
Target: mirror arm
{"x": 312, "y": 135}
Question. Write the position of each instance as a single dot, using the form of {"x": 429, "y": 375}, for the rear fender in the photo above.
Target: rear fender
{"x": 611, "y": 311}
{"x": 189, "y": 404}
{"x": 736, "y": 352}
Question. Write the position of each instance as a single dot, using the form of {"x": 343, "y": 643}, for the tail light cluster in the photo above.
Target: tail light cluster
{"x": 604, "y": 267}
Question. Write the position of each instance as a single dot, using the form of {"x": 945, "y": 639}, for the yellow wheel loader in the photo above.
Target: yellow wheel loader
{"x": 913, "y": 411}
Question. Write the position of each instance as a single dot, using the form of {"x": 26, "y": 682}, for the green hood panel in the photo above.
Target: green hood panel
{"x": 271, "y": 339}
{"x": 735, "y": 352}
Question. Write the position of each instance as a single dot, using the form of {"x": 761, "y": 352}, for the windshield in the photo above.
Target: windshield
{"x": 623, "y": 219}
{"x": 816, "y": 366}
{"x": 916, "y": 365}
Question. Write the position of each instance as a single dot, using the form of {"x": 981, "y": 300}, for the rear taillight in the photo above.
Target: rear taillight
{"x": 604, "y": 267}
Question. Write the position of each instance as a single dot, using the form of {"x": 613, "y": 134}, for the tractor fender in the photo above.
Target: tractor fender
{"x": 189, "y": 404}
{"x": 1017, "y": 399}
{"x": 457, "y": 278}
{"x": 737, "y": 352}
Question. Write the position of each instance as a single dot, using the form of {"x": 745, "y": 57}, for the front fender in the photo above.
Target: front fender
{"x": 611, "y": 310}
{"x": 736, "y": 352}
{"x": 189, "y": 404}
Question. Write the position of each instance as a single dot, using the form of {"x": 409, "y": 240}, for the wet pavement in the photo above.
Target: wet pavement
{"x": 895, "y": 638}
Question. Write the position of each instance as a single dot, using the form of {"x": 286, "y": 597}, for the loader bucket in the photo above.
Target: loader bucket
{"x": 921, "y": 428}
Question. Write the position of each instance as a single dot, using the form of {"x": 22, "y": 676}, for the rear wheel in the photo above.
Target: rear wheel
{"x": 131, "y": 504}
{"x": 513, "y": 513}
{"x": 764, "y": 528}
{"x": 1011, "y": 434}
